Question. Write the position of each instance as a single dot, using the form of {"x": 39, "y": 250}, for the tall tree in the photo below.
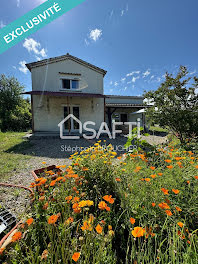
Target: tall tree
{"x": 175, "y": 104}
{"x": 14, "y": 109}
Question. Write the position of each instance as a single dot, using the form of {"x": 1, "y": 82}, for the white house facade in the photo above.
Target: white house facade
{"x": 68, "y": 85}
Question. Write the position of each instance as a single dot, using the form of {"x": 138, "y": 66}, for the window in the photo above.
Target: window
{"x": 70, "y": 84}
{"x": 115, "y": 117}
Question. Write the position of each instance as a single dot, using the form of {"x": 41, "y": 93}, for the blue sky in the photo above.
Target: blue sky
{"x": 136, "y": 41}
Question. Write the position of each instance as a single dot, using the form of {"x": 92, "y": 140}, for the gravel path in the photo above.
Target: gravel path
{"x": 53, "y": 151}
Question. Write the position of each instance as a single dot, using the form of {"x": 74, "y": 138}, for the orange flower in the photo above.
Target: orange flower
{"x": 138, "y": 231}
{"x": 44, "y": 254}
{"x": 168, "y": 212}
{"x": 16, "y": 236}
{"x": 165, "y": 191}
{"x": 137, "y": 169}
{"x": 176, "y": 191}
{"x": 99, "y": 229}
{"x": 153, "y": 204}
{"x": 86, "y": 226}
{"x": 160, "y": 173}
{"x": 118, "y": 179}
{"x": 168, "y": 160}
{"x": 188, "y": 182}
{"x": 178, "y": 208}
{"x": 188, "y": 241}
{"x": 76, "y": 208}
{"x": 196, "y": 166}
{"x": 53, "y": 183}
{"x": 53, "y": 218}
{"x": 132, "y": 220}
{"x": 196, "y": 177}
{"x": 180, "y": 224}
{"x": 152, "y": 168}
{"x": 102, "y": 205}
{"x": 147, "y": 179}
{"x": 164, "y": 206}
{"x": 170, "y": 166}
{"x": 76, "y": 256}
{"x": 108, "y": 198}
{"x": 153, "y": 176}
{"x": 30, "y": 221}
{"x": 69, "y": 220}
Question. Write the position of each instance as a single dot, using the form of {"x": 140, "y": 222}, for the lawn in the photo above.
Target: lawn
{"x": 136, "y": 208}
{"x": 11, "y": 145}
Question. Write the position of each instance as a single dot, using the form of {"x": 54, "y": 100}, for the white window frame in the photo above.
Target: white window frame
{"x": 70, "y": 79}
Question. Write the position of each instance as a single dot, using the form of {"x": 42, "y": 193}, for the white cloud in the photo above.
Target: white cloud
{"x": 18, "y": 3}
{"x": 159, "y": 79}
{"x": 125, "y": 88}
{"x": 22, "y": 67}
{"x": 2, "y": 24}
{"x": 123, "y": 79}
{"x": 95, "y": 34}
{"x": 116, "y": 83}
{"x": 122, "y": 12}
{"x": 152, "y": 77}
{"x": 146, "y": 73}
{"x": 14, "y": 67}
{"x": 132, "y": 73}
{"x": 111, "y": 82}
{"x": 33, "y": 46}
{"x": 135, "y": 78}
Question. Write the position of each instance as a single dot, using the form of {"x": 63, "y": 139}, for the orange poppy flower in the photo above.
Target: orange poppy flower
{"x": 138, "y": 168}
{"x": 16, "y": 236}
{"x": 168, "y": 160}
{"x": 153, "y": 176}
{"x": 196, "y": 166}
{"x": 176, "y": 191}
{"x": 160, "y": 173}
{"x": 153, "y": 204}
{"x": 138, "y": 231}
{"x": 170, "y": 166}
{"x": 188, "y": 241}
{"x": 152, "y": 168}
{"x": 69, "y": 220}
{"x": 180, "y": 224}
{"x": 188, "y": 182}
{"x": 165, "y": 191}
{"x": 30, "y": 221}
{"x": 76, "y": 256}
{"x": 44, "y": 254}
{"x": 164, "y": 206}
{"x": 53, "y": 218}
{"x": 45, "y": 206}
{"x": 53, "y": 183}
{"x": 178, "y": 208}
{"x": 168, "y": 212}
{"x": 118, "y": 179}
{"x": 108, "y": 198}
{"x": 86, "y": 226}
{"x": 99, "y": 229}
{"x": 132, "y": 220}
{"x": 196, "y": 177}
{"x": 147, "y": 179}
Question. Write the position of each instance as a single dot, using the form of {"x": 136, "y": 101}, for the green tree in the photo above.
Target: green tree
{"x": 175, "y": 104}
{"x": 14, "y": 109}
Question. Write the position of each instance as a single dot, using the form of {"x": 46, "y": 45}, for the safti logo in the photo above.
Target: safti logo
{"x": 87, "y": 130}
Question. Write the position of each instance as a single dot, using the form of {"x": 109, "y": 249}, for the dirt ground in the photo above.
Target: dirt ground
{"x": 53, "y": 151}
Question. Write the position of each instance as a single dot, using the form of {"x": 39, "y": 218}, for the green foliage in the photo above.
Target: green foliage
{"x": 176, "y": 105}
{"x": 15, "y": 112}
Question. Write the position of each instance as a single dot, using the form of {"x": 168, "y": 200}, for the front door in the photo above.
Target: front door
{"x": 71, "y": 124}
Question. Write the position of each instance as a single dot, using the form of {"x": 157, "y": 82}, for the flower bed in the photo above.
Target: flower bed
{"x": 136, "y": 208}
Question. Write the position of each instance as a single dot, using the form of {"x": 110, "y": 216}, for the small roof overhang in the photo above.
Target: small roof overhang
{"x": 117, "y": 105}
{"x": 66, "y": 94}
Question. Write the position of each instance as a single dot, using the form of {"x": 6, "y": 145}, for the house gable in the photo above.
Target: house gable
{"x": 48, "y": 75}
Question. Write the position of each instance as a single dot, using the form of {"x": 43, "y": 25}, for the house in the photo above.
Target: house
{"x": 68, "y": 85}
